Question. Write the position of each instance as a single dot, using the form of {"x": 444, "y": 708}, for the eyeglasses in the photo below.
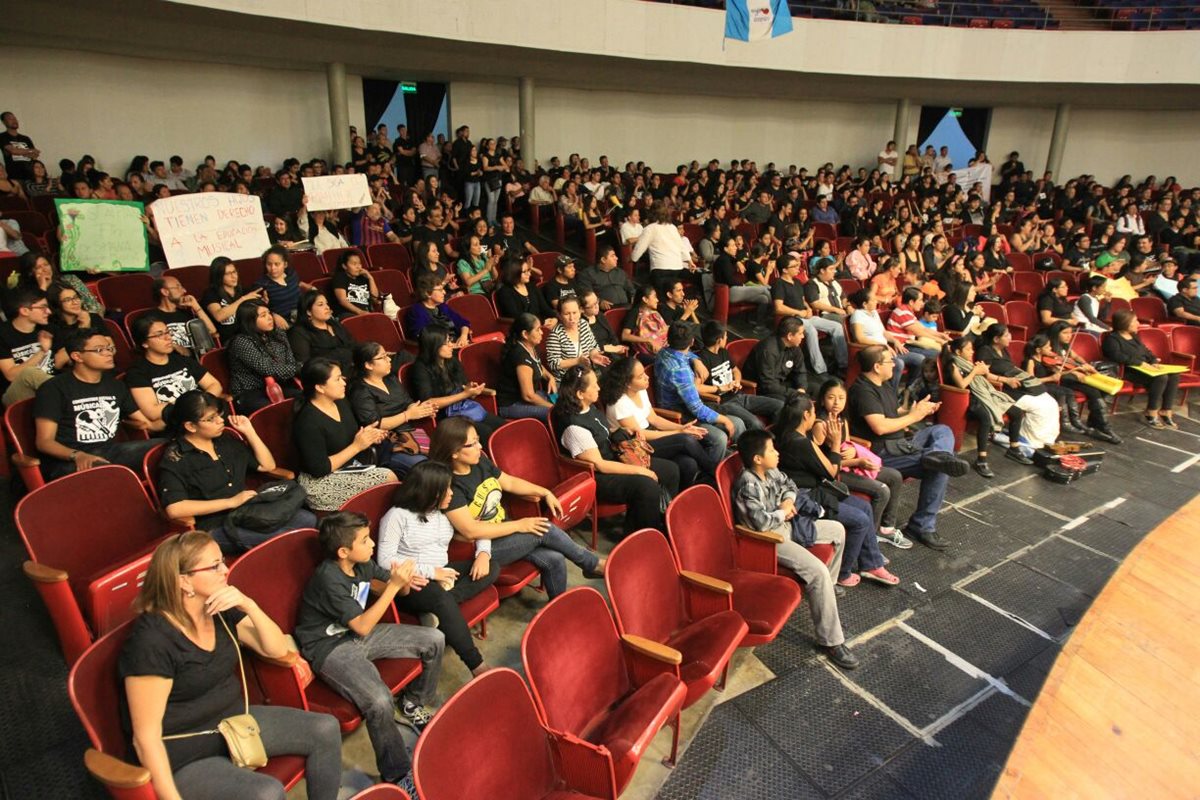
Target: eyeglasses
{"x": 108, "y": 348}
{"x": 159, "y": 335}
{"x": 39, "y": 307}
{"x": 70, "y": 298}
{"x": 212, "y": 419}
{"x": 214, "y": 568}
{"x": 472, "y": 445}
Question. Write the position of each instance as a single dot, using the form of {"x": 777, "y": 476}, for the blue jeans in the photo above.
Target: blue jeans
{"x": 526, "y": 410}
{"x": 348, "y": 671}
{"x": 285, "y": 731}
{"x": 549, "y": 553}
{"x": 933, "y": 484}
{"x": 837, "y": 334}
{"x": 471, "y": 194}
{"x": 862, "y": 545}
{"x": 492, "y": 198}
{"x": 235, "y": 541}
{"x": 401, "y": 463}
{"x": 912, "y": 360}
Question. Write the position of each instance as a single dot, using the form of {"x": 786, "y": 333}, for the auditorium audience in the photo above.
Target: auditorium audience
{"x": 261, "y": 362}
{"x": 437, "y": 376}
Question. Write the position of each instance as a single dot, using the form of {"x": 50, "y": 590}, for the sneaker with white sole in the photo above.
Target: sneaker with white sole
{"x": 412, "y": 715}
{"x": 894, "y": 537}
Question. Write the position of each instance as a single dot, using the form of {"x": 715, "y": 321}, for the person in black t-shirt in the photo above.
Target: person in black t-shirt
{"x": 509, "y": 239}
{"x": 162, "y": 376}
{"x": 25, "y": 344}
{"x": 179, "y": 673}
{"x": 563, "y": 283}
{"x": 525, "y": 385}
{"x": 676, "y": 306}
{"x": 352, "y": 288}
{"x": 721, "y": 382}
{"x": 19, "y": 152}
{"x": 79, "y": 413}
{"x": 340, "y": 633}
{"x": 928, "y": 456}
{"x": 177, "y": 308}
{"x": 1185, "y": 306}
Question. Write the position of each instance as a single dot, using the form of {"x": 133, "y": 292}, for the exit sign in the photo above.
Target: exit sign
{"x": 956, "y": 112}
{"x": 408, "y": 88}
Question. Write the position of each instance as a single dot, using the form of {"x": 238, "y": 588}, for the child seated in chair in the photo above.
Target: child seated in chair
{"x": 341, "y": 635}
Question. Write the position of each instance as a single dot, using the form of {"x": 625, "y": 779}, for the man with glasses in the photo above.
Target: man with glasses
{"x": 25, "y": 345}
{"x": 928, "y": 455}
{"x": 78, "y": 414}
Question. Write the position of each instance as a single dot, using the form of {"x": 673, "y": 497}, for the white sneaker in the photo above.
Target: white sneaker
{"x": 894, "y": 537}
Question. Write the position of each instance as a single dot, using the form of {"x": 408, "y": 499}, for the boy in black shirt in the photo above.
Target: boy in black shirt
{"x": 721, "y": 382}
{"x": 340, "y": 635}
{"x": 79, "y": 413}
{"x": 25, "y": 345}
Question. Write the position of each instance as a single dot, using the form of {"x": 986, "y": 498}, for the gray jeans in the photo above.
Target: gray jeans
{"x": 837, "y": 335}
{"x": 818, "y": 579}
{"x": 549, "y": 553}
{"x": 348, "y": 671}
{"x": 285, "y": 731}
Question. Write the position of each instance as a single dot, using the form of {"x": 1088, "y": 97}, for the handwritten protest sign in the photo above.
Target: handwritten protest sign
{"x": 330, "y": 192}
{"x": 103, "y": 236}
{"x": 196, "y": 228}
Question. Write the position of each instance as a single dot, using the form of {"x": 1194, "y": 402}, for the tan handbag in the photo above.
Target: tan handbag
{"x": 241, "y": 731}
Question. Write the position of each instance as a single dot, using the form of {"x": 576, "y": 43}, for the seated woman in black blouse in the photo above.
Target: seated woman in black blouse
{"x": 225, "y": 294}
{"x": 162, "y": 375}
{"x": 1042, "y": 422}
{"x": 338, "y": 458}
{"x": 1125, "y": 347}
{"x": 525, "y": 385}
{"x": 202, "y": 474}
{"x": 1052, "y": 304}
{"x": 426, "y": 262}
{"x": 318, "y": 334}
{"x": 67, "y": 316}
{"x": 378, "y": 397}
{"x": 438, "y": 376}
{"x": 994, "y": 256}
{"x": 431, "y": 309}
{"x": 515, "y": 296}
{"x": 179, "y": 671}
{"x": 259, "y": 357}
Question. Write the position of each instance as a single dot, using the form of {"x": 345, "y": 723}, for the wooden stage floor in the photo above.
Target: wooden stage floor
{"x": 1119, "y": 715}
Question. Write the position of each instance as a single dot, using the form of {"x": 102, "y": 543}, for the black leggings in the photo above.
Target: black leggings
{"x": 433, "y": 599}
{"x": 687, "y": 453}
{"x": 1162, "y": 389}
{"x": 640, "y": 494}
{"x": 983, "y": 418}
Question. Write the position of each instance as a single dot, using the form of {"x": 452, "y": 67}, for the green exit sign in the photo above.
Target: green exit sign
{"x": 408, "y": 88}
{"x": 956, "y": 112}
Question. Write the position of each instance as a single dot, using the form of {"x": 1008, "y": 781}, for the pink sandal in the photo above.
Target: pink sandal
{"x": 881, "y": 575}
{"x": 850, "y": 580}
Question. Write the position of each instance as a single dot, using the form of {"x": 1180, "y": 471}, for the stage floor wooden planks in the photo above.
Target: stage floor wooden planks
{"x": 1119, "y": 716}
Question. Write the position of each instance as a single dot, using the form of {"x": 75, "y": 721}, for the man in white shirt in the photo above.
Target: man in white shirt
{"x": 542, "y": 194}
{"x": 943, "y": 162}
{"x": 888, "y": 158}
{"x": 631, "y": 228}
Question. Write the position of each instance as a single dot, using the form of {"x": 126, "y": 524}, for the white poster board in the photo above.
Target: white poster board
{"x": 334, "y": 192}
{"x": 196, "y": 228}
{"x": 979, "y": 174}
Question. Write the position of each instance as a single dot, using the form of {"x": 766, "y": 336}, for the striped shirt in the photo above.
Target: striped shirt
{"x": 403, "y": 535}
{"x": 559, "y": 346}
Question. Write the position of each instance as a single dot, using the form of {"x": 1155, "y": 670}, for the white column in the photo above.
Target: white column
{"x": 339, "y": 111}
{"x": 525, "y": 95}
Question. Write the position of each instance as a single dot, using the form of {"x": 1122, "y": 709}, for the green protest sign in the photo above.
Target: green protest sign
{"x": 102, "y": 236}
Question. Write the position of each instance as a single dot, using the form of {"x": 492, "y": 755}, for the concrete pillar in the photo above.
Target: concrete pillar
{"x": 900, "y": 134}
{"x": 339, "y": 111}
{"x": 525, "y": 100}
{"x": 1058, "y": 139}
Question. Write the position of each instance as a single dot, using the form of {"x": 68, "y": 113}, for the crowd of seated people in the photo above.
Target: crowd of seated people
{"x": 864, "y": 290}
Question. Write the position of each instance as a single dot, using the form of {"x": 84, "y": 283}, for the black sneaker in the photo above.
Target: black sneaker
{"x": 412, "y": 715}
{"x": 983, "y": 469}
{"x": 841, "y": 656}
{"x": 942, "y": 461}
{"x": 1015, "y": 454}
{"x": 928, "y": 538}
{"x": 1104, "y": 435}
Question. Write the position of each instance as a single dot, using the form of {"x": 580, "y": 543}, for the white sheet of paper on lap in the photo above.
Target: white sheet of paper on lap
{"x": 335, "y": 192}
{"x": 196, "y": 228}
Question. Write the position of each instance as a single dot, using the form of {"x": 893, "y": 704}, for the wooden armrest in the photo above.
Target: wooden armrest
{"x": 668, "y": 414}
{"x": 747, "y": 383}
{"x": 378, "y": 586}
{"x": 652, "y": 649}
{"x": 762, "y": 536}
{"x": 490, "y": 392}
{"x": 113, "y": 771}
{"x": 41, "y": 573}
{"x": 22, "y": 461}
{"x": 280, "y": 473}
{"x": 706, "y": 582}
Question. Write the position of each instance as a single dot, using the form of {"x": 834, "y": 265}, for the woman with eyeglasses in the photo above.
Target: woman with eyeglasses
{"x": 225, "y": 294}
{"x": 515, "y": 296}
{"x": 378, "y": 397}
{"x": 203, "y": 471}
{"x": 179, "y": 670}
{"x": 438, "y": 377}
{"x": 161, "y": 376}
{"x": 338, "y": 457}
{"x": 583, "y": 433}
{"x": 431, "y": 309}
{"x": 67, "y": 316}
{"x": 36, "y": 270}
{"x": 259, "y": 355}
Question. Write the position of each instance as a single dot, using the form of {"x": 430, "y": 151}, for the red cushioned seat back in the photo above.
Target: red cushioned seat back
{"x": 700, "y": 532}
{"x": 643, "y": 586}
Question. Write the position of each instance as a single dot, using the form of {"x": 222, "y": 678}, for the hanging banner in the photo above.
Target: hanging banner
{"x": 196, "y": 228}
{"x": 754, "y": 20}
{"x": 969, "y": 176}
{"x": 102, "y": 236}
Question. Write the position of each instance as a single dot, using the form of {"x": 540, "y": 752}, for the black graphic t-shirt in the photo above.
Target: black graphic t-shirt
{"x": 20, "y": 346}
{"x": 480, "y": 491}
{"x": 88, "y": 414}
{"x": 720, "y": 369}
{"x": 180, "y": 374}
{"x": 358, "y": 290}
{"x": 177, "y": 322}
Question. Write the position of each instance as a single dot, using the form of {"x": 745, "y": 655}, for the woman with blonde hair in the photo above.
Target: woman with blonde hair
{"x": 179, "y": 668}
